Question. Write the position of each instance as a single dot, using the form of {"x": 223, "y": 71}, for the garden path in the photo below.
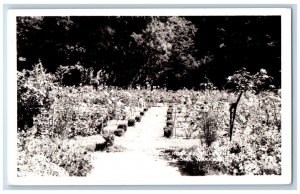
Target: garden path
{"x": 140, "y": 159}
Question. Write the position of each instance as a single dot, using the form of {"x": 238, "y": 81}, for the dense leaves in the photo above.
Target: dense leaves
{"x": 243, "y": 80}
{"x": 33, "y": 94}
{"x": 44, "y": 156}
{"x": 167, "y": 51}
{"x": 168, "y": 44}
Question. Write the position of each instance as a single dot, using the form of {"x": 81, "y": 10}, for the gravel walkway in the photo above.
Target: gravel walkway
{"x": 140, "y": 159}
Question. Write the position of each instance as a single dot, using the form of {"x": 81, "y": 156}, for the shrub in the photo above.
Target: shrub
{"x": 131, "y": 122}
{"x": 142, "y": 113}
{"x": 235, "y": 149}
{"x": 77, "y": 162}
{"x": 29, "y": 105}
{"x": 37, "y": 165}
{"x": 138, "y": 118}
{"x": 209, "y": 130}
{"x": 169, "y": 112}
{"x": 74, "y": 75}
{"x": 109, "y": 139}
{"x": 119, "y": 132}
{"x": 100, "y": 147}
{"x": 243, "y": 80}
{"x": 193, "y": 161}
{"x": 45, "y": 156}
{"x": 69, "y": 117}
{"x": 100, "y": 127}
{"x": 122, "y": 126}
{"x": 33, "y": 89}
{"x": 168, "y": 132}
{"x": 109, "y": 142}
{"x": 145, "y": 109}
{"x": 170, "y": 123}
{"x": 72, "y": 78}
{"x": 206, "y": 85}
{"x": 169, "y": 117}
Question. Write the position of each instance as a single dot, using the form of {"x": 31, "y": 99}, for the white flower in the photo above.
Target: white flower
{"x": 263, "y": 71}
{"x": 243, "y": 119}
{"x": 235, "y": 171}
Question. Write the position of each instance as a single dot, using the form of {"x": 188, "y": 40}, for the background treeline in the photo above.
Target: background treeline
{"x": 174, "y": 52}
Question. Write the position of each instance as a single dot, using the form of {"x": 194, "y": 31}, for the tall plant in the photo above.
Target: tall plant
{"x": 241, "y": 81}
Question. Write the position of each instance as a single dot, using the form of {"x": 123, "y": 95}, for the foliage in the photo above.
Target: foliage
{"x": 170, "y": 111}
{"x": 243, "y": 80}
{"x": 173, "y": 52}
{"x": 170, "y": 123}
{"x": 168, "y": 131}
{"x": 131, "y": 122}
{"x": 66, "y": 112}
{"x": 123, "y": 126}
{"x": 33, "y": 90}
{"x": 168, "y": 44}
{"x": 138, "y": 118}
{"x": 256, "y": 145}
{"x": 61, "y": 113}
{"x": 51, "y": 157}
{"x": 209, "y": 130}
{"x": 69, "y": 115}
{"x": 207, "y": 85}
{"x": 76, "y": 75}
{"x": 109, "y": 139}
{"x": 119, "y": 132}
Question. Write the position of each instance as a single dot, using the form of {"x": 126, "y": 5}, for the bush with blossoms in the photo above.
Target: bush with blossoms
{"x": 255, "y": 148}
{"x": 253, "y": 151}
{"x": 51, "y": 112}
{"x": 52, "y": 116}
{"x": 243, "y": 80}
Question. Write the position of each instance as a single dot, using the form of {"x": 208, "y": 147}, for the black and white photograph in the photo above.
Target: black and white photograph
{"x": 125, "y": 98}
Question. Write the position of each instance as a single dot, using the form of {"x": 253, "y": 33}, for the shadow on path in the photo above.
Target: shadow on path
{"x": 193, "y": 167}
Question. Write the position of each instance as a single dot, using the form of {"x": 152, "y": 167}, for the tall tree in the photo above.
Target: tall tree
{"x": 168, "y": 45}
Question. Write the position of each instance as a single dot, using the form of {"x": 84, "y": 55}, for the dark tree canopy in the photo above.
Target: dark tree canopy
{"x": 167, "y": 51}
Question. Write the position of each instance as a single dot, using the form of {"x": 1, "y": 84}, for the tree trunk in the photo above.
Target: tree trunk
{"x": 232, "y": 111}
